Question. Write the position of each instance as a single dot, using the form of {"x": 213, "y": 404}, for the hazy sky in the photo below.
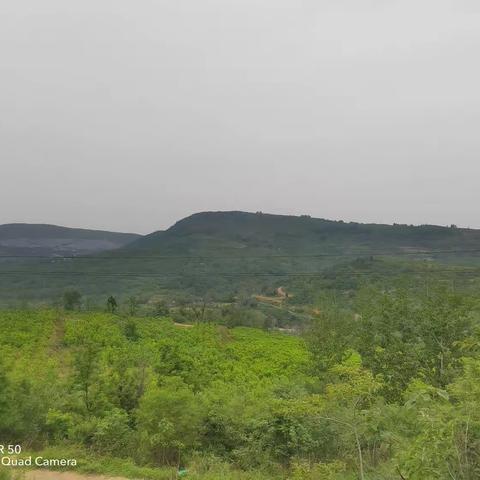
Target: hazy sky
{"x": 129, "y": 115}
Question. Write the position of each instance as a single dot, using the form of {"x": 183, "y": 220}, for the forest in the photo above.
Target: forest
{"x": 384, "y": 386}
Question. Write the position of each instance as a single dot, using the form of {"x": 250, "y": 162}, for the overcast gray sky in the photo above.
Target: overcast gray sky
{"x": 129, "y": 115}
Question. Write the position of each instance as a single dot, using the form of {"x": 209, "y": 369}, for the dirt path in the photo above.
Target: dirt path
{"x": 49, "y": 475}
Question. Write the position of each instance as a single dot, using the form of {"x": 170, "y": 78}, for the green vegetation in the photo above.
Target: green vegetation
{"x": 220, "y": 255}
{"x": 250, "y": 347}
{"x": 27, "y": 239}
{"x": 385, "y": 388}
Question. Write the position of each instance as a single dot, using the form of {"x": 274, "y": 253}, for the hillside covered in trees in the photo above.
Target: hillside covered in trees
{"x": 236, "y": 232}
{"x": 216, "y": 256}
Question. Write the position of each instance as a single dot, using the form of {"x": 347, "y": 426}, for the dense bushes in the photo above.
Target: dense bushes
{"x": 388, "y": 391}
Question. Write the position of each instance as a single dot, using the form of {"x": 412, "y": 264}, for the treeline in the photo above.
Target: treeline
{"x": 389, "y": 389}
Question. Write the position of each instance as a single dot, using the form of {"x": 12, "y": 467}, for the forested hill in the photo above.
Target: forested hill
{"x": 222, "y": 254}
{"x": 26, "y": 239}
{"x": 241, "y": 233}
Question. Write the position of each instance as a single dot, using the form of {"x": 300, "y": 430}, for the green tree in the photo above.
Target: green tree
{"x": 350, "y": 399}
{"x": 130, "y": 330}
{"x": 402, "y": 336}
{"x": 112, "y": 304}
{"x": 72, "y": 299}
{"x": 168, "y": 419}
{"x": 443, "y": 431}
{"x": 133, "y": 305}
{"x": 113, "y": 435}
{"x": 332, "y": 333}
{"x": 160, "y": 309}
{"x": 88, "y": 339}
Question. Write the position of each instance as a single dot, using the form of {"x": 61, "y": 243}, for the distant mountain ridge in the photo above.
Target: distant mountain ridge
{"x": 242, "y": 232}
{"x": 26, "y": 239}
{"x": 225, "y": 254}
{"x": 238, "y": 233}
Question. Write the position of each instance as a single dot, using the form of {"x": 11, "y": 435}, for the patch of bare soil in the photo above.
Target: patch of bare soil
{"x": 271, "y": 300}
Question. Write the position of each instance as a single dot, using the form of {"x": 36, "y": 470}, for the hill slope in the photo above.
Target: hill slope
{"x": 241, "y": 233}
{"x": 223, "y": 254}
{"x": 25, "y": 239}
